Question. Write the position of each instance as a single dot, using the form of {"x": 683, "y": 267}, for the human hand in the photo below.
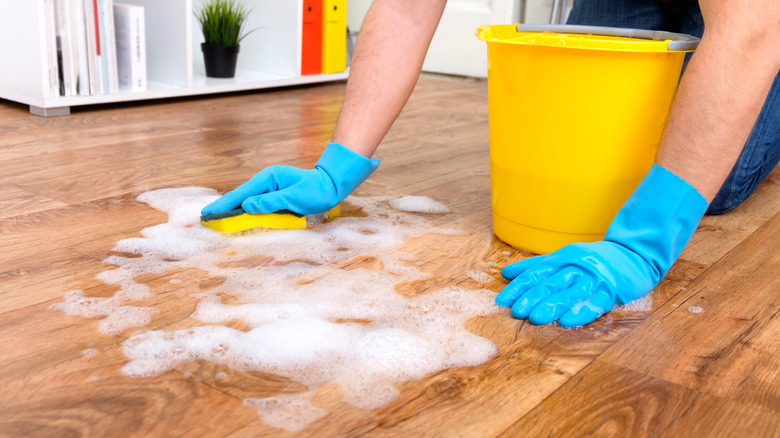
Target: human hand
{"x": 576, "y": 284}
{"x": 580, "y": 282}
{"x": 338, "y": 172}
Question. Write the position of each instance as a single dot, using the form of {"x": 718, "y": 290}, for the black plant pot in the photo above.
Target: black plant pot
{"x": 220, "y": 60}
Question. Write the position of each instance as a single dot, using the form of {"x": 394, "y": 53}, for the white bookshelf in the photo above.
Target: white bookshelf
{"x": 270, "y": 57}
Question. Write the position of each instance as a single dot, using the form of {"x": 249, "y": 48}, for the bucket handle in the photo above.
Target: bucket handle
{"x": 678, "y": 42}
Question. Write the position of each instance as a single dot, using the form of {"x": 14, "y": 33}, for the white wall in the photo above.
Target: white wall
{"x": 356, "y": 10}
{"x": 539, "y": 11}
{"x": 536, "y": 11}
{"x": 454, "y": 51}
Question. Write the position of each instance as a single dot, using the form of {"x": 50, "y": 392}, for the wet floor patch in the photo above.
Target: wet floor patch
{"x": 315, "y": 305}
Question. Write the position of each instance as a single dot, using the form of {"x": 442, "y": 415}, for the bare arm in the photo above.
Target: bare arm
{"x": 722, "y": 91}
{"x": 394, "y": 38}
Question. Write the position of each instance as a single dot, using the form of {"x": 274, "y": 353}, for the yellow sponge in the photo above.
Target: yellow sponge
{"x": 237, "y": 220}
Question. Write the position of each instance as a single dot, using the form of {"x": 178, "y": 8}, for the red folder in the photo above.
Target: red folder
{"x": 311, "y": 46}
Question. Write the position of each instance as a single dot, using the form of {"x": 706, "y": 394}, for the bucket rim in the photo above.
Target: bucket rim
{"x": 677, "y": 42}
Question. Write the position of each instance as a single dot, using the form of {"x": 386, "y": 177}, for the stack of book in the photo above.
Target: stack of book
{"x": 95, "y": 47}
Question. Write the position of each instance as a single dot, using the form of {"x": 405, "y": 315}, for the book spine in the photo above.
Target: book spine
{"x": 51, "y": 47}
{"x": 82, "y": 55}
{"x": 122, "y": 30}
{"x": 101, "y": 26}
{"x": 110, "y": 52}
{"x": 67, "y": 65}
{"x": 94, "y": 74}
{"x": 139, "y": 50}
{"x": 131, "y": 47}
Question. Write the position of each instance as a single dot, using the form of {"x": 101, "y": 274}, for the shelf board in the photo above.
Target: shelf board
{"x": 251, "y": 80}
{"x": 243, "y": 81}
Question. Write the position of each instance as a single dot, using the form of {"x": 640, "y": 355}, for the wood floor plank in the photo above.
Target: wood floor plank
{"x": 719, "y": 234}
{"x": 44, "y": 275}
{"x": 16, "y": 201}
{"x": 58, "y": 336}
{"x": 104, "y": 220}
{"x": 607, "y": 400}
{"x": 721, "y": 335}
{"x": 22, "y": 135}
{"x": 715, "y": 417}
{"x": 527, "y": 375}
{"x": 69, "y": 189}
{"x": 85, "y": 394}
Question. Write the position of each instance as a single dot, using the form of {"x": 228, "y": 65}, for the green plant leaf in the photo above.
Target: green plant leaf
{"x": 222, "y": 22}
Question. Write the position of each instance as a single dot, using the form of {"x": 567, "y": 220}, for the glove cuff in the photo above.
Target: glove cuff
{"x": 347, "y": 168}
{"x": 658, "y": 219}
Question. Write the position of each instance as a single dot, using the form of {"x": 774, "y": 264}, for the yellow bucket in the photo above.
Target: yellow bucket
{"x": 576, "y": 115}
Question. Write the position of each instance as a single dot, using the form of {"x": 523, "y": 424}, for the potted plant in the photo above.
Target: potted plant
{"x": 222, "y": 23}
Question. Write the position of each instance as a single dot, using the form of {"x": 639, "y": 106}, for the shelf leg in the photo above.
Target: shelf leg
{"x": 50, "y": 112}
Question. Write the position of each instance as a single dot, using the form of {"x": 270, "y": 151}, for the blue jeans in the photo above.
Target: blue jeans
{"x": 761, "y": 152}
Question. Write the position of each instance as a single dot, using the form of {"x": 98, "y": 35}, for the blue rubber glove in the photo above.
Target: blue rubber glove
{"x": 338, "y": 172}
{"x": 582, "y": 281}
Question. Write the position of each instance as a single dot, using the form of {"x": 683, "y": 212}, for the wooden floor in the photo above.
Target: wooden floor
{"x": 68, "y": 187}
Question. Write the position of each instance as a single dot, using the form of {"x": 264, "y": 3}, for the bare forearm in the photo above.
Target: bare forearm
{"x": 720, "y": 97}
{"x": 394, "y": 38}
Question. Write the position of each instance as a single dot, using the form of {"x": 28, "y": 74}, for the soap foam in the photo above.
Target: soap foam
{"x": 480, "y": 277}
{"x": 118, "y": 317}
{"x": 419, "y": 204}
{"x": 289, "y": 412}
{"x": 89, "y": 353}
{"x": 642, "y": 304}
{"x": 307, "y": 314}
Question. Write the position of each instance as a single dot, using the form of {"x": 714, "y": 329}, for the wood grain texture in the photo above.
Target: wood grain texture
{"x": 606, "y": 400}
{"x": 730, "y": 349}
{"x": 68, "y": 193}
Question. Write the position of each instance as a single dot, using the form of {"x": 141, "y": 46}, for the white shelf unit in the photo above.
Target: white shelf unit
{"x": 269, "y": 57}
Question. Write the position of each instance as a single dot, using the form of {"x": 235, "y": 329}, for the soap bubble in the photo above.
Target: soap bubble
{"x": 292, "y": 303}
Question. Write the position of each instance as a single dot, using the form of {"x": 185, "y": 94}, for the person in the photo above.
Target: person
{"x": 721, "y": 140}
